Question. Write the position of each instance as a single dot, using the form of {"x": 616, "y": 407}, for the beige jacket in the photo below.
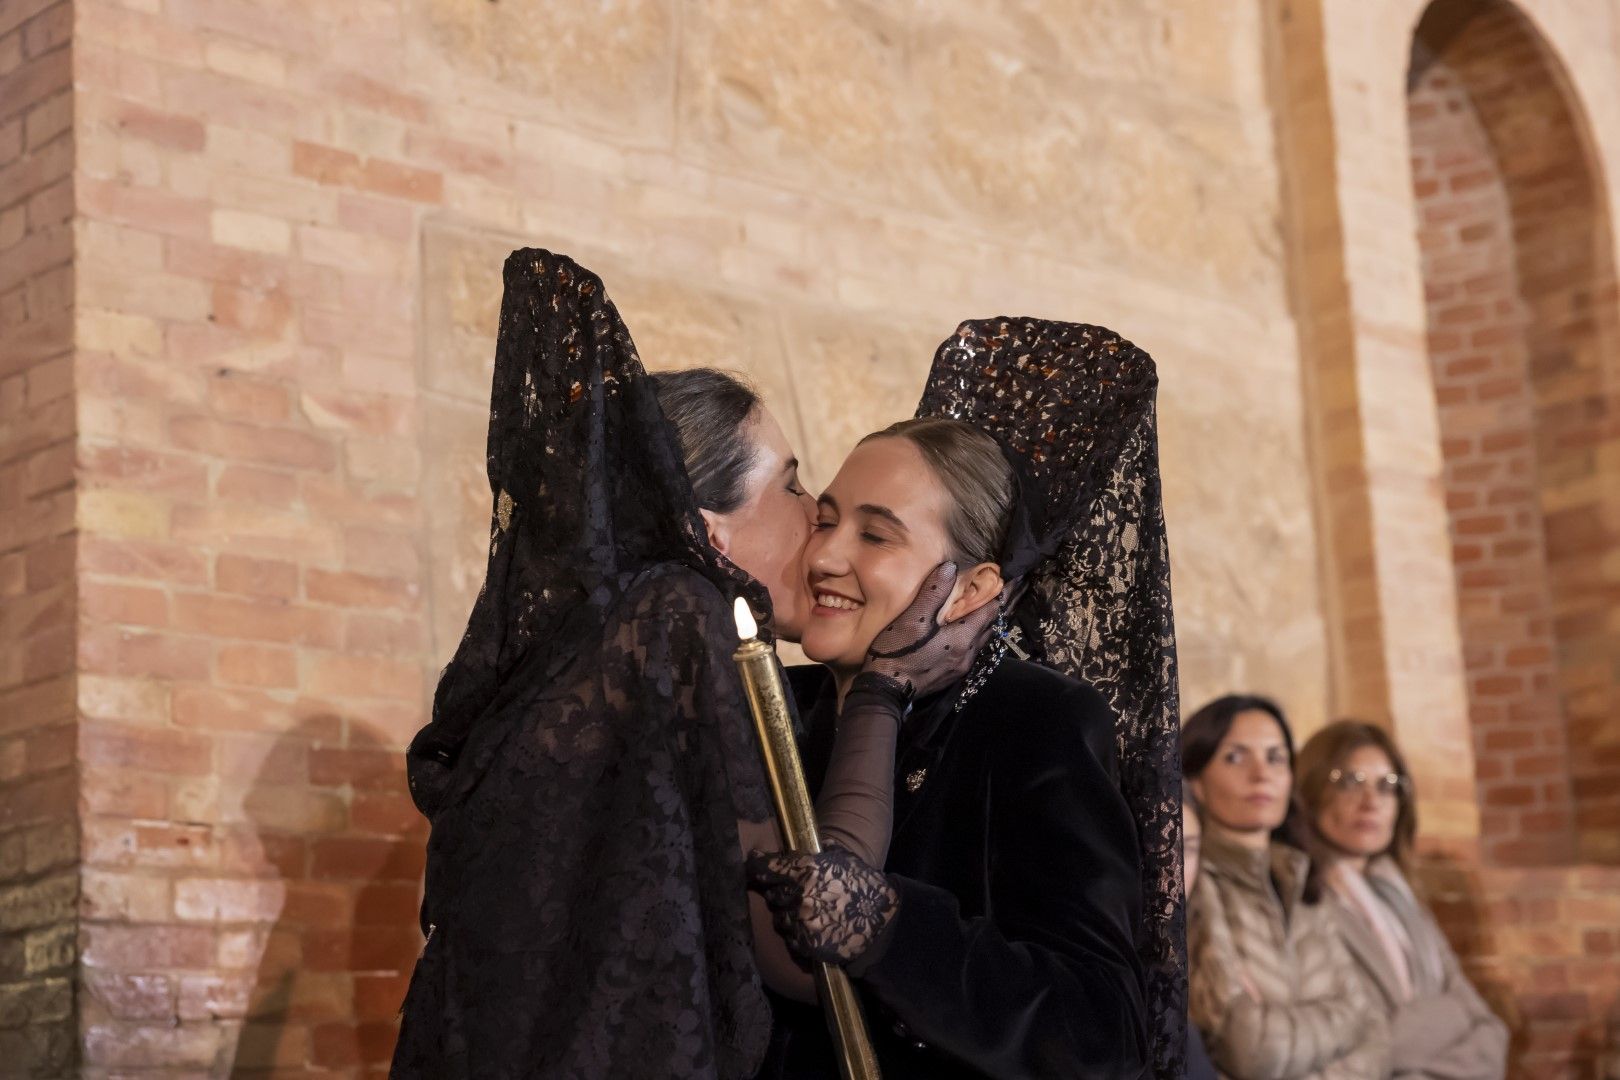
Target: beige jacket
{"x": 1446, "y": 1031}
{"x": 1273, "y": 988}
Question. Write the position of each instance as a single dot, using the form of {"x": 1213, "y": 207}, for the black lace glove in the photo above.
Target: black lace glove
{"x": 915, "y": 654}
{"x": 831, "y": 907}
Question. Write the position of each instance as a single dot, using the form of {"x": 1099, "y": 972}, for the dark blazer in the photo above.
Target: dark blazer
{"x": 1016, "y": 859}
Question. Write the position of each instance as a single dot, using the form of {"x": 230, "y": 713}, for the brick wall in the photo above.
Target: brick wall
{"x": 1543, "y": 946}
{"x": 252, "y": 636}
{"x": 38, "y": 828}
{"x": 1478, "y": 331}
{"x": 288, "y": 227}
{"x": 1521, "y": 304}
{"x": 291, "y": 220}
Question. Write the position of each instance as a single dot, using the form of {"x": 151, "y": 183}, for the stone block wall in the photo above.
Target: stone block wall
{"x": 291, "y": 220}
{"x": 242, "y": 400}
{"x": 39, "y": 837}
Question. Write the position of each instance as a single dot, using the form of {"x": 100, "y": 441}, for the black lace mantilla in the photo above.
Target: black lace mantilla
{"x": 590, "y": 751}
{"x": 1073, "y": 407}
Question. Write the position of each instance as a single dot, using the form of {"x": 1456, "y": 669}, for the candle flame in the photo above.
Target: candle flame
{"x": 746, "y": 627}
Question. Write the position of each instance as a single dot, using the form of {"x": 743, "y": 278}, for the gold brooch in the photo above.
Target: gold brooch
{"x": 914, "y": 779}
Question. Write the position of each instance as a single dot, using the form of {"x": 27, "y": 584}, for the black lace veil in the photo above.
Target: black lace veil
{"x": 1073, "y": 408}
{"x": 590, "y": 752}
{"x": 589, "y": 488}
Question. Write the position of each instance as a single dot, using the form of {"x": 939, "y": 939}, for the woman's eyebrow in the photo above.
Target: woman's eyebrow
{"x": 791, "y": 466}
{"x": 1255, "y": 747}
{"x": 885, "y": 513}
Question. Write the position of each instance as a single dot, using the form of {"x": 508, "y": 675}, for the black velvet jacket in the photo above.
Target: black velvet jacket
{"x": 1016, "y": 859}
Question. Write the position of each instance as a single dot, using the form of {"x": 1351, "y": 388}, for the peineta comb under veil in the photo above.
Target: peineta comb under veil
{"x": 1073, "y": 409}
{"x": 590, "y": 751}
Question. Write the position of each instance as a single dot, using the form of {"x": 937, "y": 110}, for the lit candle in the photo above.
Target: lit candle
{"x": 773, "y": 720}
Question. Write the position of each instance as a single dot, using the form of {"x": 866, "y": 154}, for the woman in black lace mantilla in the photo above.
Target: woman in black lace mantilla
{"x": 1024, "y": 917}
{"x": 589, "y": 757}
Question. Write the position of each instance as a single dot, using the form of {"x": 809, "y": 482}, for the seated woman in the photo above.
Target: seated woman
{"x": 1000, "y": 941}
{"x": 1360, "y": 809}
{"x": 1273, "y": 989}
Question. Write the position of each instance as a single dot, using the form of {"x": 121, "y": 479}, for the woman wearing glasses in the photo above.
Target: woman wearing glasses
{"x": 1357, "y": 797}
{"x": 1273, "y": 990}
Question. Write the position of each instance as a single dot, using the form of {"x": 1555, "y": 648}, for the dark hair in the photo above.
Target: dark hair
{"x": 709, "y": 409}
{"x": 1202, "y": 735}
{"x": 976, "y": 476}
{"x": 1327, "y": 750}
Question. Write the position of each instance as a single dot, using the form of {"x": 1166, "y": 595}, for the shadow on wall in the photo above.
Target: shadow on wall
{"x": 347, "y": 847}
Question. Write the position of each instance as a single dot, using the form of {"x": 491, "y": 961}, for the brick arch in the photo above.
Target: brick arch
{"x": 1521, "y": 299}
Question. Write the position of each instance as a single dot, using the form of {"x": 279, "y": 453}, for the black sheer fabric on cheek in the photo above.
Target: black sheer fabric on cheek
{"x": 590, "y": 753}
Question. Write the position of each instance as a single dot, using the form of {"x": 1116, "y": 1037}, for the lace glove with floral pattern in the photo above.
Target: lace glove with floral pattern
{"x": 917, "y": 654}
{"x": 831, "y": 907}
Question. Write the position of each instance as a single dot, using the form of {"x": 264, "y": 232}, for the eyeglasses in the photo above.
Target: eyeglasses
{"x": 1391, "y": 783}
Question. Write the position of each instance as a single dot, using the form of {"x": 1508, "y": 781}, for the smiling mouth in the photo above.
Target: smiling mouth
{"x": 834, "y": 602}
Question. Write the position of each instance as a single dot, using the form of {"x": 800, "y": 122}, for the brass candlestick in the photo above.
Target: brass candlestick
{"x": 772, "y": 719}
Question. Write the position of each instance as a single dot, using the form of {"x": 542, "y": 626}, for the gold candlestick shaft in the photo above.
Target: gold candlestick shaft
{"x": 767, "y": 701}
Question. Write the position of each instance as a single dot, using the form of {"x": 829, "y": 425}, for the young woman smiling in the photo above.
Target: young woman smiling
{"x": 1000, "y": 940}
{"x": 1273, "y": 990}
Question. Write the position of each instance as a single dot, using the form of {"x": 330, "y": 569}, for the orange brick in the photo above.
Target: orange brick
{"x": 172, "y": 131}
{"x": 125, "y": 604}
{"x": 113, "y": 651}
{"x": 244, "y": 397}
{"x": 253, "y": 443}
{"x": 245, "y": 483}
{"x": 129, "y": 467}
{"x": 256, "y": 577}
{"x": 364, "y": 769}
{"x": 256, "y": 619}
{"x": 256, "y": 665}
{"x": 326, "y": 164}
{"x": 349, "y": 589}
{"x": 402, "y": 181}
{"x": 170, "y": 752}
{"x": 364, "y": 633}
{"x": 227, "y": 900}
{"x": 210, "y": 708}
{"x": 143, "y": 948}
{"x": 365, "y": 676}
{"x": 386, "y": 814}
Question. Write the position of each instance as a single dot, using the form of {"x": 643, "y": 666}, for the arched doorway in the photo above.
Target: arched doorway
{"x": 1520, "y": 291}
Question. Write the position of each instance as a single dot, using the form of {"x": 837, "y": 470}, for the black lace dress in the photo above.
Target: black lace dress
{"x": 590, "y": 753}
